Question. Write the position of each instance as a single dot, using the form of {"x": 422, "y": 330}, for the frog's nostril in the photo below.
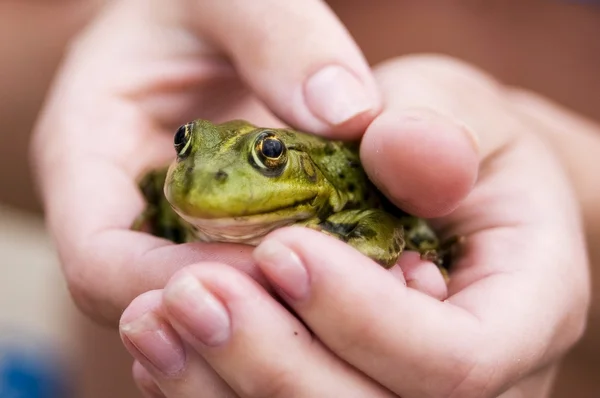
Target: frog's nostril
{"x": 221, "y": 175}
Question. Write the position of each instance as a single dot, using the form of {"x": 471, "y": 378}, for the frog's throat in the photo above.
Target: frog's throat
{"x": 243, "y": 229}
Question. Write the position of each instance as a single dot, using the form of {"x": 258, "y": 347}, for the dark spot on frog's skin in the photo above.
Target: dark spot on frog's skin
{"x": 351, "y": 187}
{"x": 329, "y": 149}
{"x": 341, "y": 176}
{"x": 221, "y": 175}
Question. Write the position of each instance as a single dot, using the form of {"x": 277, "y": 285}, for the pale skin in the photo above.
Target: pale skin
{"x": 469, "y": 155}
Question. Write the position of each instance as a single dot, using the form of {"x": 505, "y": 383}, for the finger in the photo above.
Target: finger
{"x": 424, "y": 162}
{"x": 421, "y": 275}
{"x": 144, "y": 381}
{"x": 425, "y": 159}
{"x": 252, "y": 342}
{"x": 387, "y": 327}
{"x": 453, "y": 90}
{"x": 174, "y": 368}
{"x": 474, "y": 336}
{"x": 313, "y": 77}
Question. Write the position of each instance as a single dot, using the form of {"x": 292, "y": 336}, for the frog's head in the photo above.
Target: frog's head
{"x": 237, "y": 173}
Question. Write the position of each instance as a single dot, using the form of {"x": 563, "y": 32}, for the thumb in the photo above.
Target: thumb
{"x": 300, "y": 61}
{"x": 418, "y": 150}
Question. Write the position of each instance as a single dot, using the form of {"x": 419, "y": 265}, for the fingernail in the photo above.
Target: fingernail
{"x": 156, "y": 342}
{"x": 335, "y": 95}
{"x": 283, "y": 268}
{"x": 198, "y": 310}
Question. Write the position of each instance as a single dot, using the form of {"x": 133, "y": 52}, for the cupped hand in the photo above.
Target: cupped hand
{"x": 516, "y": 300}
{"x": 137, "y": 73}
{"x": 145, "y": 67}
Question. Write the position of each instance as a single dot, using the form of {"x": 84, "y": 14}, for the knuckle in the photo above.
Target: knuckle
{"x": 443, "y": 70}
{"x": 91, "y": 304}
{"x": 273, "y": 382}
{"x": 469, "y": 377}
{"x": 359, "y": 338}
{"x": 449, "y": 68}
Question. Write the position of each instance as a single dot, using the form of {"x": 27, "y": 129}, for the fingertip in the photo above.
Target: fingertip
{"x": 317, "y": 81}
{"x": 343, "y": 100}
{"x": 146, "y": 302}
{"x": 397, "y": 273}
{"x": 424, "y": 162}
{"x": 422, "y": 275}
{"x": 323, "y": 254}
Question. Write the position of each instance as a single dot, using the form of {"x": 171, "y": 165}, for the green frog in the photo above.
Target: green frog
{"x": 236, "y": 182}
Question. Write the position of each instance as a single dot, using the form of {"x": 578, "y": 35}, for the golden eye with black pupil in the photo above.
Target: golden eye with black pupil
{"x": 182, "y": 141}
{"x": 272, "y": 148}
{"x": 269, "y": 153}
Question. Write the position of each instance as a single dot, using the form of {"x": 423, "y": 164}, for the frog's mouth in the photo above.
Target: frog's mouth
{"x": 244, "y": 229}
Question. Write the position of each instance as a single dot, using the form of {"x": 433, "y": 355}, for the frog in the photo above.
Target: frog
{"x": 237, "y": 182}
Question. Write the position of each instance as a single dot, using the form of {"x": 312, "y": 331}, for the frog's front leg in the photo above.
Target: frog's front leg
{"x": 158, "y": 217}
{"x": 372, "y": 232}
{"x": 421, "y": 238}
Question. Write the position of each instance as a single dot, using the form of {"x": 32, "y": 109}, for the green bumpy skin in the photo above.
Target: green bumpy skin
{"x": 236, "y": 182}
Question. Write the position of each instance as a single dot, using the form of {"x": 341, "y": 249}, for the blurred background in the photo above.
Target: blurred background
{"x": 552, "y": 47}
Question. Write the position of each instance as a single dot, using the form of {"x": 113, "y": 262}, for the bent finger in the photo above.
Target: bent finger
{"x": 174, "y": 368}
{"x": 314, "y": 77}
{"x": 471, "y": 334}
{"x": 252, "y": 342}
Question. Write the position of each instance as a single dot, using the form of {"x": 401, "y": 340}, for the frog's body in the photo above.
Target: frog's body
{"x": 235, "y": 182}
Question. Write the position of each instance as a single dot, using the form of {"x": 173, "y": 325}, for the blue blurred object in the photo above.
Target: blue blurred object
{"x": 27, "y": 374}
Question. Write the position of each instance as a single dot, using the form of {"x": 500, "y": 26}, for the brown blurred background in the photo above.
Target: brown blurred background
{"x": 552, "y": 47}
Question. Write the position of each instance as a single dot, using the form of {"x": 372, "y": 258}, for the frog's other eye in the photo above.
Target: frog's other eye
{"x": 269, "y": 153}
{"x": 182, "y": 141}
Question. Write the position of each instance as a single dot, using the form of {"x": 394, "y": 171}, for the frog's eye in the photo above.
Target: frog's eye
{"x": 182, "y": 141}
{"x": 272, "y": 148}
{"x": 269, "y": 153}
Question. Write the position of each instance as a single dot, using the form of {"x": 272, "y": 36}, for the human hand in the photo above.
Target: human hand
{"x": 516, "y": 301}
{"x": 142, "y": 69}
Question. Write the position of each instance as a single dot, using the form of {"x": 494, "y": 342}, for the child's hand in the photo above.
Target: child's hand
{"x": 141, "y": 70}
{"x": 517, "y": 297}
